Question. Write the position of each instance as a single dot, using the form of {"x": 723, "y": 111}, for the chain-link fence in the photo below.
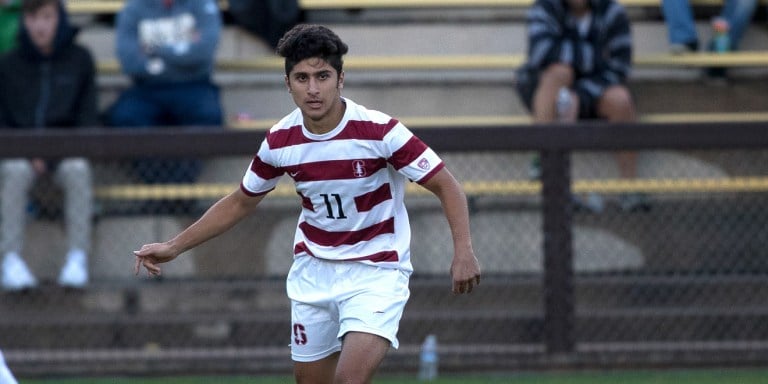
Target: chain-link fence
{"x": 665, "y": 267}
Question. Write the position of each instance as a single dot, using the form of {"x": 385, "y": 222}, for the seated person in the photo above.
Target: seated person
{"x": 47, "y": 83}
{"x": 168, "y": 49}
{"x": 582, "y": 52}
{"x": 735, "y": 17}
{"x": 10, "y": 11}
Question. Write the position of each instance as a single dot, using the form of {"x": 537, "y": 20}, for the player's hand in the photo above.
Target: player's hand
{"x": 465, "y": 272}
{"x": 150, "y": 255}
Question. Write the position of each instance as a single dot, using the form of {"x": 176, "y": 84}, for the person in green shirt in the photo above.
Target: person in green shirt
{"x": 9, "y": 23}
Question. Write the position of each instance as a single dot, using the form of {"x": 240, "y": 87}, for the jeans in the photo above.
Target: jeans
{"x": 145, "y": 106}
{"x": 682, "y": 28}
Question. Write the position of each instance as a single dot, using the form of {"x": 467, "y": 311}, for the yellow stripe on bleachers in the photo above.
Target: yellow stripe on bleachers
{"x": 478, "y": 62}
{"x": 471, "y": 188}
{"x": 500, "y": 120}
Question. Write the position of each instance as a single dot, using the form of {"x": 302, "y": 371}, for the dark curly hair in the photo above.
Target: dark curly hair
{"x": 32, "y": 6}
{"x": 305, "y": 41}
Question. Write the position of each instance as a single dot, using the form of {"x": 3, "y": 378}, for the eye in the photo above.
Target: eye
{"x": 324, "y": 76}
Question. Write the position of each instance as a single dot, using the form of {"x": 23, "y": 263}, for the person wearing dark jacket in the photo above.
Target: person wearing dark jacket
{"x": 47, "y": 83}
{"x": 579, "y": 59}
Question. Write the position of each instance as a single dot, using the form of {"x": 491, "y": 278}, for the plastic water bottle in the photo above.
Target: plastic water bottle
{"x": 721, "y": 42}
{"x": 564, "y": 105}
{"x": 428, "y": 359}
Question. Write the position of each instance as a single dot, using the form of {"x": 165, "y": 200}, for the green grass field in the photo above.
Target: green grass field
{"x": 709, "y": 376}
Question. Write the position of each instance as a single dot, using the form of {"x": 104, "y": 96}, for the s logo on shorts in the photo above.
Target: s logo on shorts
{"x": 299, "y": 334}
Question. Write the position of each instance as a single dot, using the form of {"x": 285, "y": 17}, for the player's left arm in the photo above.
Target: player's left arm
{"x": 465, "y": 268}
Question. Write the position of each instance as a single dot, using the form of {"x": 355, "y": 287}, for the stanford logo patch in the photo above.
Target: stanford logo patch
{"x": 358, "y": 168}
{"x": 424, "y": 164}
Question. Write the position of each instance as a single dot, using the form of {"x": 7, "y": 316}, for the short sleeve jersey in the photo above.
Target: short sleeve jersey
{"x": 351, "y": 182}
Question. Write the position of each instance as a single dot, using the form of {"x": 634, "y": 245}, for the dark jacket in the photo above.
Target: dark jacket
{"x": 601, "y": 58}
{"x": 48, "y": 91}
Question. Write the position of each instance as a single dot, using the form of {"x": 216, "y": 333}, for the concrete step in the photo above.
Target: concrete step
{"x": 263, "y": 95}
{"x": 220, "y": 314}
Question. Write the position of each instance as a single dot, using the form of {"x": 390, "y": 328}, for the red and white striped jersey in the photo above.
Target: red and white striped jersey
{"x": 351, "y": 182}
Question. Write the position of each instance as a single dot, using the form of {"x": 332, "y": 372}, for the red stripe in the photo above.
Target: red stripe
{"x": 301, "y": 248}
{"x": 264, "y": 170}
{"x": 354, "y": 130}
{"x": 431, "y": 173}
{"x": 335, "y": 239}
{"x": 367, "y": 201}
{"x": 406, "y": 154}
{"x": 379, "y": 257}
{"x": 336, "y": 169}
{"x": 365, "y": 130}
{"x": 282, "y": 138}
{"x": 252, "y": 194}
{"x": 306, "y": 202}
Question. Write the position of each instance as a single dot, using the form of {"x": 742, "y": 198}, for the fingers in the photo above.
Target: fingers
{"x": 466, "y": 286}
{"x": 152, "y": 268}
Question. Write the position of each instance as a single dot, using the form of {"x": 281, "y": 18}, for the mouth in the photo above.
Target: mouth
{"x": 314, "y": 103}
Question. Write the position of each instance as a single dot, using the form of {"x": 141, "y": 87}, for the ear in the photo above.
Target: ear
{"x": 288, "y": 84}
{"x": 340, "y": 84}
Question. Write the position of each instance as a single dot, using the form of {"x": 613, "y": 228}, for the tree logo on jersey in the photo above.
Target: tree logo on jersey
{"x": 358, "y": 168}
{"x": 424, "y": 164}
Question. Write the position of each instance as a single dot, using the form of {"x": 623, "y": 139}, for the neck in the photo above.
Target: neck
{"x": 45, "y": 50}
{"x": 328, "y": 122}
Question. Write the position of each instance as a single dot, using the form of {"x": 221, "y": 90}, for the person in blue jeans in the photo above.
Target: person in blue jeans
{"x": 682, "y": 27}
{"x": 168, "y": 49}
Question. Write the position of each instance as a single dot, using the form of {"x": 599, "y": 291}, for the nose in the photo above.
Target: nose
{"x": 313, "y": 86}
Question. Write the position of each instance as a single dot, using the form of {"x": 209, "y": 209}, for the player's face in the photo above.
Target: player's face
{"x": 41, "y": 26}
{"x": 316, "y": 89}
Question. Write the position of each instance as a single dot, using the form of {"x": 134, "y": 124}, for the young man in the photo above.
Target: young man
{"x": 580, "y": 51}
{"x": 47, "y": 82}
{"x": 349, "y": 282}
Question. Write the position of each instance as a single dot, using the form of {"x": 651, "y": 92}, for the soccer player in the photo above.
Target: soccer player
{"x": 348, "y": 284}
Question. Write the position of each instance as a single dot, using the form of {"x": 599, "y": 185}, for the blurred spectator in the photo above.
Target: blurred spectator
{"x": 267, "y": 19}
{"x": 9, "y": 23}
{"x": 47, "y": 82}
{"x": 168, "y": 49}
{"x": 579, "y": 58}
{"x": 681, "y": 26}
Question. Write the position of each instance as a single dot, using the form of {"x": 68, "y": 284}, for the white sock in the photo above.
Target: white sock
{"x": 76, "y": 256}
{"x": 12, "y": 257}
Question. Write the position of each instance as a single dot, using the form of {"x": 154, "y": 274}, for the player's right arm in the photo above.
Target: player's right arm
{"x": 218, "y": 219}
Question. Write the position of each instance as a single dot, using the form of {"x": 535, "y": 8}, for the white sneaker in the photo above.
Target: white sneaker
{"x": 16, "y": 274}
{"x": 74, "y": 274}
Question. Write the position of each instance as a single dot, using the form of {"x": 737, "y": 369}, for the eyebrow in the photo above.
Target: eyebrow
{"x": 320, "y": 72}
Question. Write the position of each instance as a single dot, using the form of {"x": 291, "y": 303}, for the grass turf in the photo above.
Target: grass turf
{"x": 704, "y": 376}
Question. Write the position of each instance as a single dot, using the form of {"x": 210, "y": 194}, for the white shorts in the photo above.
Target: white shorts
{"x": 331, "y": 298}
